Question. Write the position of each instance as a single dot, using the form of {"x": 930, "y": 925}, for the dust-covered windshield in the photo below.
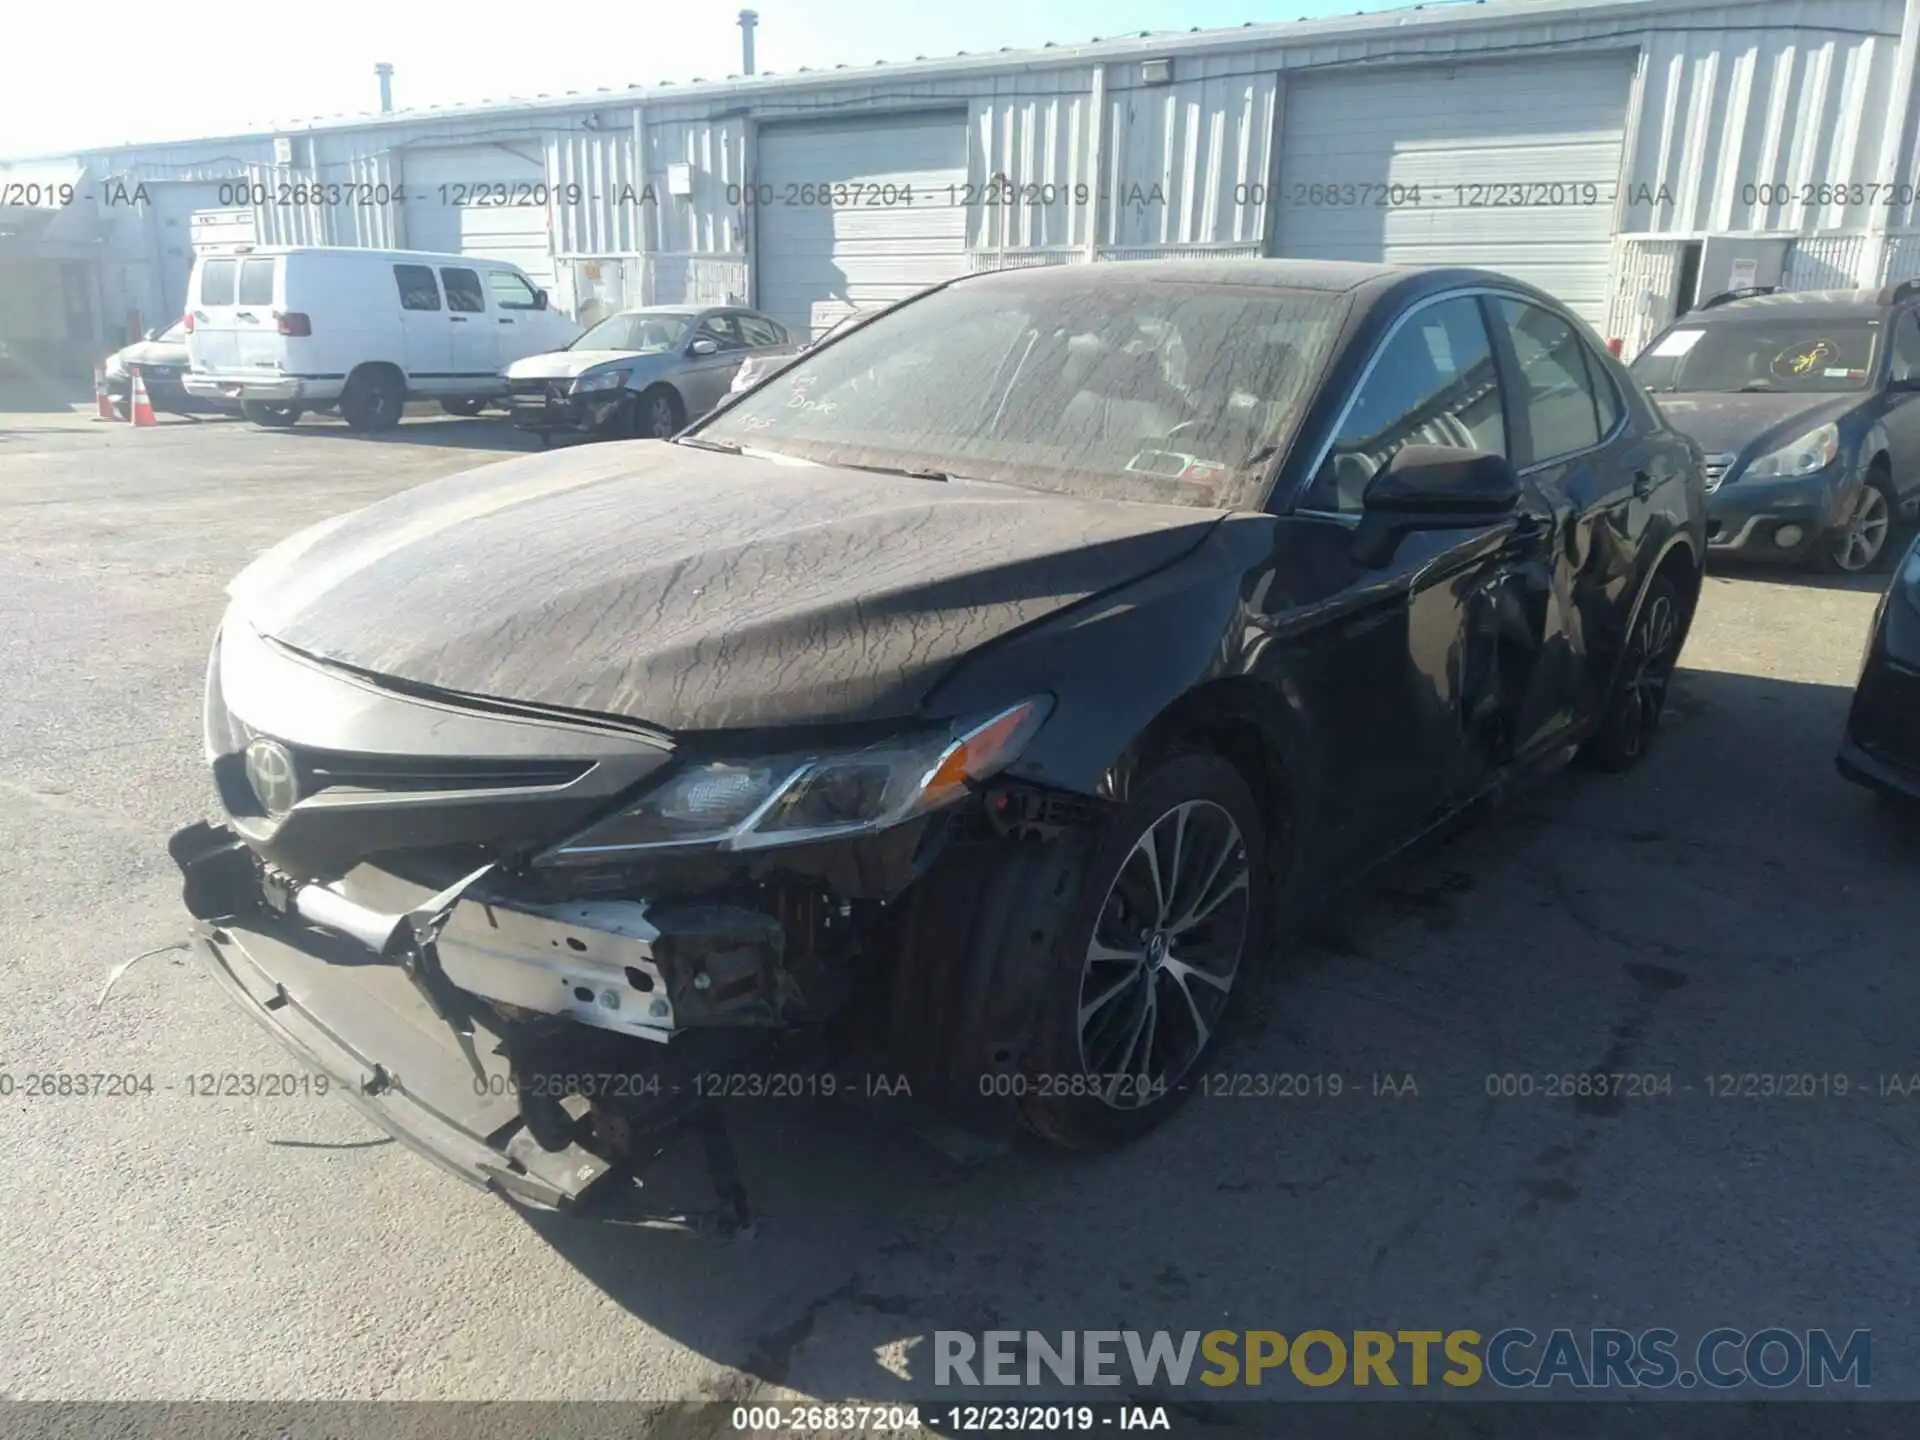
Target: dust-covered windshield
{"x": 1789, "y": 354}
{"x": 642, "y": 331}
{"x": 1153, "y": 389}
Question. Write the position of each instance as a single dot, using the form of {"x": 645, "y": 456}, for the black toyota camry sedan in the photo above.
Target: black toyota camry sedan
{"x": 989, "y": 692}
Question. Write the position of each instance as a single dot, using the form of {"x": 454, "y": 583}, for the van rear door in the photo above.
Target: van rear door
{"x": 256, "y": 315}
{"x": 212, "y": 345}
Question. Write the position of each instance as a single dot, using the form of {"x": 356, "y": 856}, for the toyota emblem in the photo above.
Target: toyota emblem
{"x": 271, "y": 773}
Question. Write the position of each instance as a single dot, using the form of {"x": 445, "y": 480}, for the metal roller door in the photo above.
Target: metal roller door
{"x": 815, "y": 262}
{"x": 1516, "y": 165}
{"x": 484, "y": 200}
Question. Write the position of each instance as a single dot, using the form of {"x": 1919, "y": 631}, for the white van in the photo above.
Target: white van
{"x": 285, "y": 330}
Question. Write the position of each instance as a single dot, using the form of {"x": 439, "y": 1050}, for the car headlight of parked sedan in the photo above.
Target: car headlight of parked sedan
{"x": 1806, "y": 454}
{"x": 605, "y": 380}
{"x": 751, "y": 804}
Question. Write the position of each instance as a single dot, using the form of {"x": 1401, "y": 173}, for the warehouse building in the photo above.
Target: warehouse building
{"x": 1629, "y": 157}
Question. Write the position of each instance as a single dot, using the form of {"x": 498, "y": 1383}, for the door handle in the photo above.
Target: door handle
{"x": 506, "y": 322}
{"x": 1643, "y": 484}
{"x": 246, "y": 315}
{"x": 458, "y": 319}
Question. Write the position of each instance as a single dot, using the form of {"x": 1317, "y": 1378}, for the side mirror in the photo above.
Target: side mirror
{"x": 703, "y": 347}
{"x": 1905, "y": 382}
{"x": 1432, "y": 487}
{"x": 539, "y": 299}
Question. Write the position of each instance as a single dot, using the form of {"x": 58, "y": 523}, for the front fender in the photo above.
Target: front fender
{"x": 1118, "y": 663}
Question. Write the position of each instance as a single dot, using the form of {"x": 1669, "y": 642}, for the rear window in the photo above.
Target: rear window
{"x": 256, "y": 282}
{"x": 216, "y": 282}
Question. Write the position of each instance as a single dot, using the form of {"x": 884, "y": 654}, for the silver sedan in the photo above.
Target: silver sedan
{"x": 641, "y": 373}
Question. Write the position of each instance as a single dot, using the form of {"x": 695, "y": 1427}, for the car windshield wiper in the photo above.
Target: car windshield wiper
{"x": 723, "y": 447}
{"x": 909, "y": 471}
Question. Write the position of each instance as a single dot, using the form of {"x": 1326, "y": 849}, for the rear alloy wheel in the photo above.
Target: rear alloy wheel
{"x": 1857, "y": 545}
{"x": 1639, "y": 695}
{"x": 1171, "y": 909}
{"x": 275, "y": 416}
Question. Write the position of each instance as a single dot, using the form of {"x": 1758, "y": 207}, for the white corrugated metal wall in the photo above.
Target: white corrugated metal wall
{"x": 1733, "y": 97}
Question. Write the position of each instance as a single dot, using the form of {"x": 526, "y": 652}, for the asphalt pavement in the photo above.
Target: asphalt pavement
{"x": 1731, "y": 908}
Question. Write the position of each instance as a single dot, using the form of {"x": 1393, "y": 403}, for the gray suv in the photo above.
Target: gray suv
{"x": 1807, "y": 404}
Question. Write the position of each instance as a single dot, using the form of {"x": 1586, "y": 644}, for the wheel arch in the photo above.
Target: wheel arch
{"x": 1678, "y": 562}
{"x": 1245, "y": 722}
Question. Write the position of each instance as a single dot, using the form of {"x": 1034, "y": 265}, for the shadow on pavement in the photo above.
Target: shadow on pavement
{"x": 486, "y": 432}
{"x": 1661, "y": 920}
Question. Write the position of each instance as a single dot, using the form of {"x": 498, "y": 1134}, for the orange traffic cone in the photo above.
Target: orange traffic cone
{"x": 102, "y": 402}
{"x": 138, "y": 402}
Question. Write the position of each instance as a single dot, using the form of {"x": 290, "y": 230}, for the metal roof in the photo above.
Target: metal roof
{"x": 1426, "y": 19}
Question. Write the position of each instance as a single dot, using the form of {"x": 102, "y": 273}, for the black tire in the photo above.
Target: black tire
{"x": 1860, "y": 546}
{"x": 466, "y": 408}
{"x": 1093, "y": 1011}
{"x": 1630, "y": 719}
{"x": 658, "y": 414}
{"x": 373, "y": 400}
{"x": 276, "y": 417}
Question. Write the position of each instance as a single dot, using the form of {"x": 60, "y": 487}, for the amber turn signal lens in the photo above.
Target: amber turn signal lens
{"x": 978, "y": 753}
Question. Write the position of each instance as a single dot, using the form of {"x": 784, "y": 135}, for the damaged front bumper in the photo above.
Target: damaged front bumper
{"x": 371, "y": 1033}
{"x": 454, "y": 1018}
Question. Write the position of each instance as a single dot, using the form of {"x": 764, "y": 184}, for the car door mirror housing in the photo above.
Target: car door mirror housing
{"x": 1438, "y": 484}
{"x": 703, "y": 347}
{"x": 539, "y": 299}
{"x": 1432, "y": 487}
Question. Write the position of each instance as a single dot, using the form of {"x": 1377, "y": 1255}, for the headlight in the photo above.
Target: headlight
{"x": 789, "y": 800}
{"x": 607, "y": 380}
{"x": 1812, "y": 451}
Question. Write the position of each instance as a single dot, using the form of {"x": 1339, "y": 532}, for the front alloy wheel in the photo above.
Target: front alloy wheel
{"x": 1164, "y": 953}
{"x": 1856, "y": 545}
{"x": 1169, "y": 908}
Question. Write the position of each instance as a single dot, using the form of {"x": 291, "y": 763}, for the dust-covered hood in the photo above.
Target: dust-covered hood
{"x": 695, "y": 590}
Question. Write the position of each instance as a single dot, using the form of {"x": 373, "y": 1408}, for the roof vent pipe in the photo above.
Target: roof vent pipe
{"x": 385, "y": 72}
{"x": 748, "y": 19}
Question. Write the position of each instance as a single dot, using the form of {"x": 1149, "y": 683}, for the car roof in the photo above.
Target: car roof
{"x": 1794, "y": 304}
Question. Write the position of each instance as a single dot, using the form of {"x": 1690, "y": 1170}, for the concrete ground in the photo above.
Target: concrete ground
{"x": 1731, "y": 907}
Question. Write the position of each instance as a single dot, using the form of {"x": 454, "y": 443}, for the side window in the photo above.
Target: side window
{"x": 1434, "y": 383}
{"x": 1554, "y": 388}
{"x": 1606, "y": 398}
{"x": 216, "y": 282}
{"x": 760, "y": 331}
{"x": 1906, "y": 346}
{"x": 464, "y": 295}
{"x": 723, "y": 330}
{"x": 417, "y": 288}
{"x": 256, "y": 282}
{"x": 510, "y": 292}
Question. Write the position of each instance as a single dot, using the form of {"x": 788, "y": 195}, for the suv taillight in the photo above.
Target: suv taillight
{"x": 187, "y": 320}
{"x": 293, "y": 322}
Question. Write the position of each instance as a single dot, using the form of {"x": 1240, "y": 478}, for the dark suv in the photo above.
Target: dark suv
{"x": 1807, "y": 405}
